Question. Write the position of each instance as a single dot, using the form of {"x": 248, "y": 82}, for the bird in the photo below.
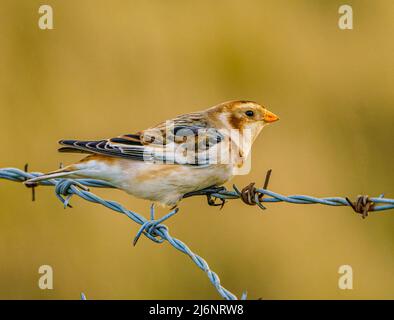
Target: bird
{"x": 185, "y": 154}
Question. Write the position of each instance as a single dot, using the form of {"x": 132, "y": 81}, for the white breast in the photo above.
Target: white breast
{"x": 164, "y": 183}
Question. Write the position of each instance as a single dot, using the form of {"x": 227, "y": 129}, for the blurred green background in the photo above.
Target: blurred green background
{"x": 112, "y": 67}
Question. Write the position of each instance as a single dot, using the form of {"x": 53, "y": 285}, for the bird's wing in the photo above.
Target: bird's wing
{"x": 186, "y": 139}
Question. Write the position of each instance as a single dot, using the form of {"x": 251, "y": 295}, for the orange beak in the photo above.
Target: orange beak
{"x": 270, "y": 117}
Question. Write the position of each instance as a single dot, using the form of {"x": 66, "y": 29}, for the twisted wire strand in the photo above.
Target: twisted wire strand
{"x": 158, "y": 232}
{"x": 386, "y": 204}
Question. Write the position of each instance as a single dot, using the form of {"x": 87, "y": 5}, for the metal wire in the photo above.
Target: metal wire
{"x": 158, "y": 232}
{"x": 153, "y": 229}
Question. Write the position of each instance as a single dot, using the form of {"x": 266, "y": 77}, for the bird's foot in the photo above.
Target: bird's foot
{"x": 211, "y": 200}
{"x": 210, "y": 194}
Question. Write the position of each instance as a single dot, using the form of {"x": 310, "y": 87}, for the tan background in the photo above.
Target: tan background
{"x": 112, "y": 67}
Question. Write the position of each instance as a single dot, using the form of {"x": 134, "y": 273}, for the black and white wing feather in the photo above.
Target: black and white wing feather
{"x": 186, "y": 140}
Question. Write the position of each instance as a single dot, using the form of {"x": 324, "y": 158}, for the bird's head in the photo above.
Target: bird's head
{"x": 243, "y": 115}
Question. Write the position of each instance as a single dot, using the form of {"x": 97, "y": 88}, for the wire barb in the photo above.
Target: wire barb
{"x": 252, "y": 196}
{"x": 64, "y": 190}
{"x": 151, "y": 227}
{"x": 362, "y": 205}
{"x": 31, "y": 185}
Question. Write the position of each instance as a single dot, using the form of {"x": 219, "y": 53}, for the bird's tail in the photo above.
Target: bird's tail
{"x": 68, "y": 171}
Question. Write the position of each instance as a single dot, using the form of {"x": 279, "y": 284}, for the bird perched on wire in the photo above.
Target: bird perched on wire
{"x": 188, "y": 153}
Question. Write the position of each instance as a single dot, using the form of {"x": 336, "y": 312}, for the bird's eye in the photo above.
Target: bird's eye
{"x": 249, "y": 113}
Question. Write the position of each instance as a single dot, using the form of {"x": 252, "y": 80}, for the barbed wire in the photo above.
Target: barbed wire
{"x": 156, "y": 231}
{"x": 152, "y": 229}
{"x": 255, "y": 196}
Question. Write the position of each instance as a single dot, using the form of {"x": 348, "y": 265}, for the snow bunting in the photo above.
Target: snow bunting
{"x": 188, "y": 153}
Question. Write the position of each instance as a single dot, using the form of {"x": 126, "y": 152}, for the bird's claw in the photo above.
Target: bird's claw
{"x": 208, "y": 192}
{"x": 212, "y": 201}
